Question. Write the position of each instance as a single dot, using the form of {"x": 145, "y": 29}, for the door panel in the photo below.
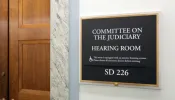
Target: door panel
{"x": 33, "y": 95}
{"x": 34, "y": 58}
{"x": 29, "y": 49}
{"x": 34, "y": 13}
{"x": 3, "y": 49}
{"x": 37, "y": 14}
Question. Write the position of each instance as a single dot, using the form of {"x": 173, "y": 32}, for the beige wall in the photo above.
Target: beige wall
{"x": 167, "y": 49}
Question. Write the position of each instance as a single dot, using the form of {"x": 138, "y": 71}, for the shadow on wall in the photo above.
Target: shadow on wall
{"x": 119, "y": 92}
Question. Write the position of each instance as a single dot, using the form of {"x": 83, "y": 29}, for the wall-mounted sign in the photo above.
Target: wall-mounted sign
{"x": 120, "y": 49}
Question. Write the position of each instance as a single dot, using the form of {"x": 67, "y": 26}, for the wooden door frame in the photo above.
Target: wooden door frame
{"x": 4, "y": 35}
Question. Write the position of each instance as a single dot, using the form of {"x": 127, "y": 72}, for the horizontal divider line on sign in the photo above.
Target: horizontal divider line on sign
{"x": 109, "y": 66}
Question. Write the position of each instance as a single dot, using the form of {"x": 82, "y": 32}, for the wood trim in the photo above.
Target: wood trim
{"x": 157, "y": 52}
{"x": 20, "y": 64}
{"x": 26, "y": 94}
{"x": 34, "y": 25}
{"x": 13, "y": 49}
{"x": 115, "y": 16}
{"x": 34, "y": 42}
{"x": 4, "y": 49}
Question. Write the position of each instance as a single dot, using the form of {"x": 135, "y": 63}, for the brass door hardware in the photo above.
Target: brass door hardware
{"x": 3, "y": 99}
{"x": 3, "y": 74}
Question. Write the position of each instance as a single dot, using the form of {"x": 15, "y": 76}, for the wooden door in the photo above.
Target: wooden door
{"x": 3, "y": 49}
{"x": 29, "y": 68}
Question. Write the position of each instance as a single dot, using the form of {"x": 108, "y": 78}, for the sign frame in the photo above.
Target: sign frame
{"x": 157, "y": 85}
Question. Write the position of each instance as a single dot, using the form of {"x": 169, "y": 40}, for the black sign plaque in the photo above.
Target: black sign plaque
{"x": 120, "y": 49}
